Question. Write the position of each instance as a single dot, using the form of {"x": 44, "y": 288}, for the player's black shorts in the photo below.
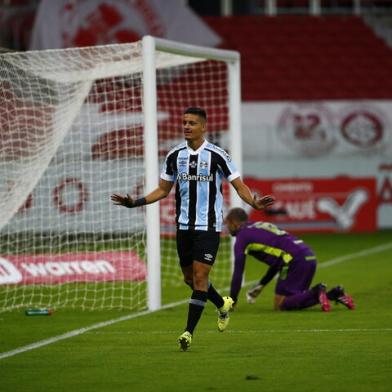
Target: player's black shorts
{"x": 197, "y": 245}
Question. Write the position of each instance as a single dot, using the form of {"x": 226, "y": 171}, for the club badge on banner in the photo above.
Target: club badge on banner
{"x": 68, "y": 23}
{"x": 314, "y": 130}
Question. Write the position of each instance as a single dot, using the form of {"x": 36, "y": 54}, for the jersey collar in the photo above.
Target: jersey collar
{"x": 191, "y": 151}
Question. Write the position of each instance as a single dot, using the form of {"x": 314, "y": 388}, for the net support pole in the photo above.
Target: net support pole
{"x": 151, "y": 175}
{"x": 234, "y": 87}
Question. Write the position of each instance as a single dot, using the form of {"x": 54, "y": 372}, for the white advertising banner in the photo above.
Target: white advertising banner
{"x": 74, "y": 193}
{"x": 317, "y": 129}
{"x": 321, "y": 140}
{"x": 69, "y": 23}
{"x": 76, "y": 198}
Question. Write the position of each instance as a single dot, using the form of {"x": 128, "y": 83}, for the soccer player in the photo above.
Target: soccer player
{"x": 198, "y": 168}
{"x": 285, "y": 255}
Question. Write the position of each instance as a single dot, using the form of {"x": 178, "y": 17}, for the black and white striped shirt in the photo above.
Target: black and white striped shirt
{"x": 198, "y": 176}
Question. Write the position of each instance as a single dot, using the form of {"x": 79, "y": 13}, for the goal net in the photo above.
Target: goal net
{"x": 78, "y": 125}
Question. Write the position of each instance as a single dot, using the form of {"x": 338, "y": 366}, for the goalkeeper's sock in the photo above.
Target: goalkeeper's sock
{"x": 214, "y": 296}
{"x": 196, "y": 306}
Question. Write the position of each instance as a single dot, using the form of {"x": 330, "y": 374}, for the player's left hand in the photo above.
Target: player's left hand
{"x": 120, "y": 200}
{"x": 261, "y": 203}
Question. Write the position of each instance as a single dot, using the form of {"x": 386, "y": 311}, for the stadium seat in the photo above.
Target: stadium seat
{"x": 303, "y": 57}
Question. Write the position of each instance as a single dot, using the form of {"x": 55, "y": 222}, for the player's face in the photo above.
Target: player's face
{"x": 193, "y": 127}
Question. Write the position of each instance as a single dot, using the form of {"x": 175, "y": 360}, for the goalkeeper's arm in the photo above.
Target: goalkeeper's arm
{"x": 271, "y": 272}
{"x": 157, "y": 194}
{"x": 254, "y": 292}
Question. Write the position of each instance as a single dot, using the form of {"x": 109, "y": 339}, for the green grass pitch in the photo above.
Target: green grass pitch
{"x": 262, "y": 350}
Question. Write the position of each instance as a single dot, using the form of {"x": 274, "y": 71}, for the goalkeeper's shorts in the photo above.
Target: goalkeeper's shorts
{"x": 298, "y": 277}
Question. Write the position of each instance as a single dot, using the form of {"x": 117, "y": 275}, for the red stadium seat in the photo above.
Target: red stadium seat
{"x": 304, "y": 57}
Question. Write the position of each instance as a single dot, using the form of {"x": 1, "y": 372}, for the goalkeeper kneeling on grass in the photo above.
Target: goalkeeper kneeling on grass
{"x": 285, "y": 255}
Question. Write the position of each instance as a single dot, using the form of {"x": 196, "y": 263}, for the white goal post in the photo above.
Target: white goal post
{"x": 80, "y": 124}
{"x": 232, "y": 58}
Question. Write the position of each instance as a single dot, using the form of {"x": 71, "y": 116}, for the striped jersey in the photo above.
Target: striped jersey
{"x": 198, "y": 176}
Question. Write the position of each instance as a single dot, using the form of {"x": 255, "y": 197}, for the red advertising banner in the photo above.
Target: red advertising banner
{"x": 341, "y": 204}
{"x": 71, "y": 267}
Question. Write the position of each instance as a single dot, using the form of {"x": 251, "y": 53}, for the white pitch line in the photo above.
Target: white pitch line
{"x": 80, "y": 331}
{"x": 249, "y": 331}
{"x": 313, "y": 330}
{"x": 362, "y": 253}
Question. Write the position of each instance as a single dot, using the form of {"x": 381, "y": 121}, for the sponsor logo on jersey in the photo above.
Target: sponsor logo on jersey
{"x": 193, "y": 165}
{"x": 194, "y": 177}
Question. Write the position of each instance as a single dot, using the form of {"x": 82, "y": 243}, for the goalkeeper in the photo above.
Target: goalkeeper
{"x": 198, "y": 168}
{"x": 287, "y": 256}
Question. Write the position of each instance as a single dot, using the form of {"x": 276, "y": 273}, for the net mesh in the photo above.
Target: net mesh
{"x": 72, "y": 134}
{"x": 202, "y": 84}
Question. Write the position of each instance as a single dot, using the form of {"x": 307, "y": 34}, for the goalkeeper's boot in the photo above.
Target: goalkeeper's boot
{"x": 321, "y": 290}
{"x": 253, "y": 293}
{"x": 185, "y": 340}
{"x": 338, "y": 295}
{"x": 223, "y": 313}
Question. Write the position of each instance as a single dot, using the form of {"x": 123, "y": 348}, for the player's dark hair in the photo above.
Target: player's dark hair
{"x": 237, "y": 214}
{"x": 197, "y": 111}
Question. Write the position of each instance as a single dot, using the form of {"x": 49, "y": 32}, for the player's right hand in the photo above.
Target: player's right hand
{"x": 120, "y": 200}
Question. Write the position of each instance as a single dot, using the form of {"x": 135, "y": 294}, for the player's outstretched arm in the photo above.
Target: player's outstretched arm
{"x": 257, "y": 202}
{"x": 126, "y": 201}
{"x": 157, "y": 194}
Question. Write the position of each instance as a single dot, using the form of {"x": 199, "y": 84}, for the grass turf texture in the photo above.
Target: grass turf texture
{"x": 261, "y": 350}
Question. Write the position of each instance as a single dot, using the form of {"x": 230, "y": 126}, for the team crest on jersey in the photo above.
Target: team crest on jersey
{"x": 203, "y": 165}
{"x": 182, "y": 161}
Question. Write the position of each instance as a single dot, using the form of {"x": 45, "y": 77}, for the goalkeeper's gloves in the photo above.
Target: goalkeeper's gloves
{"x": 253, "y": 293}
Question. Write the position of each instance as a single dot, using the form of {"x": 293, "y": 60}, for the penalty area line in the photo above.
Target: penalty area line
{"x": 80, "y": 331}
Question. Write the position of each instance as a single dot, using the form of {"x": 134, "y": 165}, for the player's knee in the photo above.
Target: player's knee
{"x": 200, "y": 279}
{"x": 188, "y": 281}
